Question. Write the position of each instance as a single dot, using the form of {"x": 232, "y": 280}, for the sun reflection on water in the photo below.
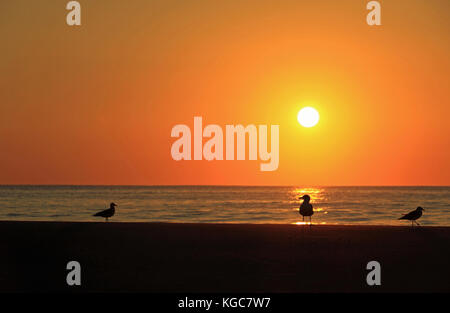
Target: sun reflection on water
{"x": 314, "y": 193}
{"x": 307, "y": 223}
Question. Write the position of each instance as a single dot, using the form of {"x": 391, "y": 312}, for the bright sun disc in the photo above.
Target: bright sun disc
{"x": 308, "y": 117}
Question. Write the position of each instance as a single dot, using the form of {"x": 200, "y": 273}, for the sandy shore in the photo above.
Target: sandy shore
{"x": 160, "y": 257}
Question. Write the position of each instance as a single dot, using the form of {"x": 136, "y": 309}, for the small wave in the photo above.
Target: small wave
{"x": 14, "y": 214}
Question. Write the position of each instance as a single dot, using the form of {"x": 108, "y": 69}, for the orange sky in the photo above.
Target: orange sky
{"x": 95, "y": 104}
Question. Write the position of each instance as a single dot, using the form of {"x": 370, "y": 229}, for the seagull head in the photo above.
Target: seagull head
{"x": 306, "y": 198}
{"x": 419, "y": 208}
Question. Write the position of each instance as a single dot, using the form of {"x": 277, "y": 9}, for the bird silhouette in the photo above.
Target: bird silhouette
{"x": 108, "y": 212}
{"x": 306, "y": 208}
{"x": 413, "y": 216}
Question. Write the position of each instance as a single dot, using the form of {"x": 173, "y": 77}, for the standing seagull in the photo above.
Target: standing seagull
{"x": 413, "y": 216}
{"x": 306, "y": 209}
{"x": 108, "y": 212}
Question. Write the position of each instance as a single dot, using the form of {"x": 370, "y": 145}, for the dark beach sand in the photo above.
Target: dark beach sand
{"x": 160, "y": 257}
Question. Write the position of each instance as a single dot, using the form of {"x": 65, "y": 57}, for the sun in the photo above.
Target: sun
{"x": 308, "y": 117}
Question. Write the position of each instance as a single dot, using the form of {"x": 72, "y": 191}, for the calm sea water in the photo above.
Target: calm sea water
{"x": 218, "y": 204}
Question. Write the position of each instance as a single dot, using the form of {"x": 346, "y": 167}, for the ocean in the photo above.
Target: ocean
{"x": 225, "y": 204}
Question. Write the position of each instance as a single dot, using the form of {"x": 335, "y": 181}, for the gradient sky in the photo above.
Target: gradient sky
{"x": 95, "y": 104}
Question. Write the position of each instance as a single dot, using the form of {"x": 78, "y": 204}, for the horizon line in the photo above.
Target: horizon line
{"x": 214, "y": 185}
